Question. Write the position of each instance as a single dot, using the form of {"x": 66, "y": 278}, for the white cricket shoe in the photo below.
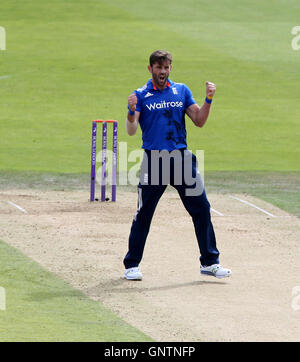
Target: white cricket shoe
{"x": 133, "y": 274}
{"x": 216, "y": 270}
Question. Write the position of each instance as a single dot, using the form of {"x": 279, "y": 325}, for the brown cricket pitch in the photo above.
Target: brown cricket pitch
{"x": 84, "y": 243}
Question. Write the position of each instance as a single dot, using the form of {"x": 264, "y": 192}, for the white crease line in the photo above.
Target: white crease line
{"x": 18, "y": 207}
{"x": 256, "y": 207}
{"x": 5, "y": 76}
{"x": 216, "y": 212}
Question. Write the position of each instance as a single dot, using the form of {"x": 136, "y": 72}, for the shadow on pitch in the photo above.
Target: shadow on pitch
{"x": 122, "y": 285}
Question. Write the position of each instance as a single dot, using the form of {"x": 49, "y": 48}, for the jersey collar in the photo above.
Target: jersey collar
{"x": 151, "y": 86}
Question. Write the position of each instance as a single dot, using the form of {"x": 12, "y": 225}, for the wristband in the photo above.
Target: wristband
{"x": 208, "y": 100}
{"x": 131, "y": 113}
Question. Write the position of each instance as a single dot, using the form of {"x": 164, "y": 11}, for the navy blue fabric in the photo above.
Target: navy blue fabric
{"x": 197, "y": 206}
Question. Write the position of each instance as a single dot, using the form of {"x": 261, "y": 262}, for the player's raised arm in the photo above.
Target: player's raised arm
{"x": 199, "y": 114}
{"x": 133, "y": 115}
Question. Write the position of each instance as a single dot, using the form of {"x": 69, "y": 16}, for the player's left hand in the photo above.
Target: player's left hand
{"x": 210, "y": 89}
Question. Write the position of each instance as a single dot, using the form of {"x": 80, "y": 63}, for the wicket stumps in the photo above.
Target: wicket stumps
{"x": 104, "y": 159}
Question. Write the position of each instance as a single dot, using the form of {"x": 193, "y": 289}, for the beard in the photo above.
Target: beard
{"x": 160, "y": 80}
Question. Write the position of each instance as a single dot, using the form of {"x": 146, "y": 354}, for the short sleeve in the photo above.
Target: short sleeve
{"x": 139, "y": 103}
{"x": 189, "y": 99}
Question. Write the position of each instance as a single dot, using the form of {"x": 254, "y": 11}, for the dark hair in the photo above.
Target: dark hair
{"x": 160, "y": 56}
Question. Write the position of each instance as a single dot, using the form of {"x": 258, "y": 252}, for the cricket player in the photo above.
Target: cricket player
{"x": 159, "y": 107}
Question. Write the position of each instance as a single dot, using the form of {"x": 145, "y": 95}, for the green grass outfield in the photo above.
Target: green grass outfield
{"x": 71, "y": 61}
{"x": 41, "y": 307}
{"x": 68, "y": 62}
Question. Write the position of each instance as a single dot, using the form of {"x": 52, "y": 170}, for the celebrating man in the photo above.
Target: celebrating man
{"x": 160, "y": 107}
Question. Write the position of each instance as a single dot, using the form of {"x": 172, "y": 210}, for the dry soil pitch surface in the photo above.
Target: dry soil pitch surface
{"x": 84, "y": 243}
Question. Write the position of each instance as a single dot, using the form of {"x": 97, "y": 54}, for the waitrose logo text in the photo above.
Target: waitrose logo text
{"x": 164, "y": 104}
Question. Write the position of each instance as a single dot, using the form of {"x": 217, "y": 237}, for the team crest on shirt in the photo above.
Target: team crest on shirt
{"x": 174, "y": 90}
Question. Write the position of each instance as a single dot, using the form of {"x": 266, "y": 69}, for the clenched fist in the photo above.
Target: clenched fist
{"x": 132, "y": 102}
{"x": 210, "y": 89}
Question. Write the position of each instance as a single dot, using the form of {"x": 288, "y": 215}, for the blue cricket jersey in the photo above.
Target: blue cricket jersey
{"x": 162, "y": 115}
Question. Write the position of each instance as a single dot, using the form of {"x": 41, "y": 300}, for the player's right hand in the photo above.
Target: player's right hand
{"x": 132, "y": 102}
